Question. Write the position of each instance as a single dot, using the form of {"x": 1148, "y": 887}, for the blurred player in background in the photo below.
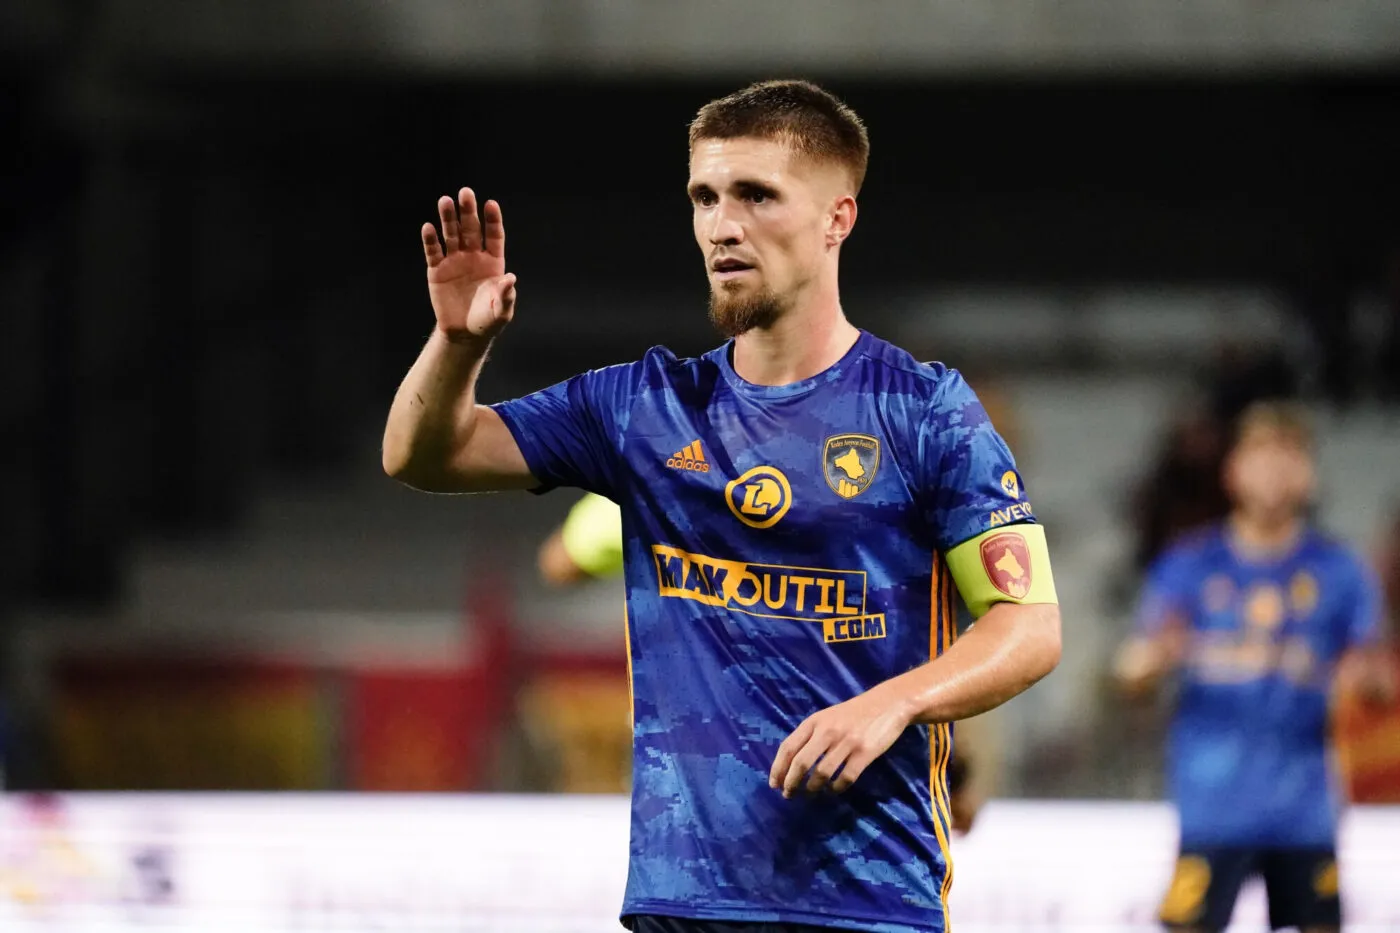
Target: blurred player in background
{"x": 798, "y": 506}
{"x": 1258, "y": 616}
{"x": 588, "y": 546}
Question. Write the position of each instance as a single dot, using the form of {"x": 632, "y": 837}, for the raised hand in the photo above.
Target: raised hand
{"x": 472, "y": 294}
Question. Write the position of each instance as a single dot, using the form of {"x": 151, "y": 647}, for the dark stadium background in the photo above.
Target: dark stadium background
{"x": 212, "y": 276}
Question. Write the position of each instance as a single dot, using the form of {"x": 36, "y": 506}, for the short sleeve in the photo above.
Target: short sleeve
{"x": 1166, "y": 593}
{"x": 592, "y": 536}
{"x": 571, "y": 433}
{"x": 1362, "y": 612}
{"x": 970, "y": 480}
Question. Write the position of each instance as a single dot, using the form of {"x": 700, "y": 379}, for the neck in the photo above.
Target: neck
{"x": 806, "y": 341}
{"x": 1266, "y": 533}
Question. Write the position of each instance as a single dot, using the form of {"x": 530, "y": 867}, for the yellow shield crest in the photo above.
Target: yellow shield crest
{"x": 850, "y": 462}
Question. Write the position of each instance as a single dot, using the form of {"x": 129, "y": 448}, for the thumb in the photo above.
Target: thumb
{"x": 503, "y": 285}
{"x": 505, "y": 291}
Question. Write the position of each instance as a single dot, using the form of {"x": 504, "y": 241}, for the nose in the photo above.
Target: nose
{"x": 725, "y": 229}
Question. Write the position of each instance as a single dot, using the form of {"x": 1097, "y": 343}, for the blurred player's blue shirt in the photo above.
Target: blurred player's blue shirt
{"x": 1249, "y": 754}
{"x": 782, "y": 555}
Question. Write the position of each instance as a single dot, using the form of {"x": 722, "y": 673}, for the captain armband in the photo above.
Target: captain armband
{"x": 1010, "y": 564}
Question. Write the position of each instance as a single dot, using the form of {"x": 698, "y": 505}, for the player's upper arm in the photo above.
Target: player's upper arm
{"x": 1160, "y": 632}
{"x": 1364, "y": 608}
{"x": 1366, "y": 669}
{"x": 491, "y": 460}
{"x": 1166, "y": 594}
{"x": 977, "y": 505}
{"x": 487, "y": 461}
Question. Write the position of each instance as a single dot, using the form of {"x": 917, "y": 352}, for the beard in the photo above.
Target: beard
{"x": 733, "y": 313}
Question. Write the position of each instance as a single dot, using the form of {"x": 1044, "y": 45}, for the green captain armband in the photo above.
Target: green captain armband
{"x": 592, "y": 536}
{"x": 1010, "y": 564}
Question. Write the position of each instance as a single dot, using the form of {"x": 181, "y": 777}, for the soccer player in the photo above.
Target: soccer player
{"x": 1257, "y": 616}
{"x": 805, "y": 509}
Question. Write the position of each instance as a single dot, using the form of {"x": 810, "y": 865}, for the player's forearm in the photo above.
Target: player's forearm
{"x": 1142, "y": 664}
{"x": 557, "y": 567}
{"x": 434, "y": 412}
{"x": 1008, "y": 650}
{"x": 1369, "y": 673}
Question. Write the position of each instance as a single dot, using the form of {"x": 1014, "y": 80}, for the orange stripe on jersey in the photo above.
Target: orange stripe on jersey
{"x": 950, "y": 635}
{"x": 940, "y": 734}
{"x": 941, "y": 744}
{"x": 950, "y": 628}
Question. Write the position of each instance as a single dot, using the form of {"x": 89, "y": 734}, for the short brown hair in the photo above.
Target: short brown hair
{"x": 811, "y": 120}
{"x": 1286, "y": 420}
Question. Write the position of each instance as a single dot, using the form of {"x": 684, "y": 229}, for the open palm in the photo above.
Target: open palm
{"x": 471, "y": 293}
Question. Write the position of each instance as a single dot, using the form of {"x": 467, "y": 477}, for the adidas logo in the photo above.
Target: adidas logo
{"x": 691, "y": 458}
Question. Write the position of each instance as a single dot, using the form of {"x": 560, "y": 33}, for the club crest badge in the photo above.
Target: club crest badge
{"x": 849, "y": 462}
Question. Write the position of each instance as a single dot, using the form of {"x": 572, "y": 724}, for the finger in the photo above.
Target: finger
{"x": 497, "y": 289}
{"x": 826, "y": 769}
{"x": 853, "y": 768}
{"x": 471, "y": 224}
{"x": 447, "y": 213}
{"x": 495, "y": 230}
{"x": 786, "y": 751}
{"x": 802, "y": 763}
{"x": 507, "y": 297}
{"x": 432, "y": 249}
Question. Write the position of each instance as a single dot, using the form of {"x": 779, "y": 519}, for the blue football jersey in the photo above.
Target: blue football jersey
{"x": 1249, "y": 763}
{"x": 782, "y": 554}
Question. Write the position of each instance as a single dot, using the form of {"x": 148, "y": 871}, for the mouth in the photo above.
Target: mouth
{"x": 726, "y": 269}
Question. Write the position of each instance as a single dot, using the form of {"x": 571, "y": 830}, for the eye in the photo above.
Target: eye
{"x": 705, "y": 198}
{"x": 757, "y": 197}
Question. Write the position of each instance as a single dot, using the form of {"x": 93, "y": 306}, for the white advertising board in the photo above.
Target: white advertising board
{"x": 356, "y": 864}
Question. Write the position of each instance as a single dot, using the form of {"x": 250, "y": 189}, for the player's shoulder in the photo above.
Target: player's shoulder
{"x": 687, "y": 380}
{"x": 1332, "y": 554}
{"x": 661, "y": 362}
{"x": 897, "y": 374}
{"x": 1325, "y": 543}
{"x": 1197, "y": 549}
{"x": 898, "y": 363}
{"x": 659, "y": 369}
{"x": 655, "y": 360}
